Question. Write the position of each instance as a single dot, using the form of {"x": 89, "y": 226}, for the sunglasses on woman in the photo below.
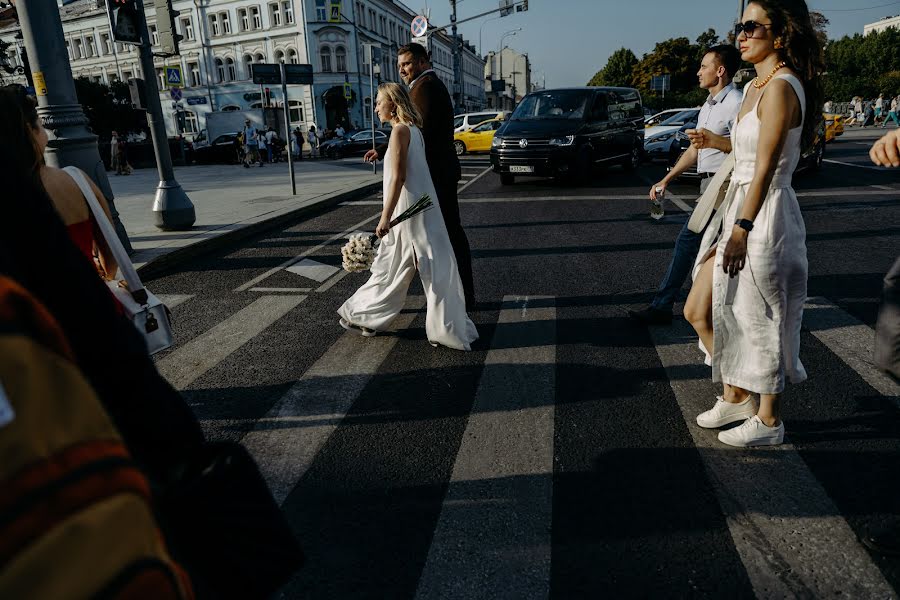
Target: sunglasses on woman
{"x": 749, "y": 27}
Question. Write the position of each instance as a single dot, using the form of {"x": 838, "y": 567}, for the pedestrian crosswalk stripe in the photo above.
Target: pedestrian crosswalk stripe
{"x": 312, "y": 269}
{"x": 278, "y": 290}
{"x": 189, "y": 362}
{"x": 319, "y": 400}
{"x": 331, "y": 282}
{"x": 303, "y": 255}
{"x": 492, "y": 539}
{"x": 479, "y": 176}
{"x": 849, "y": 339}
{"x": 784, "y": 542}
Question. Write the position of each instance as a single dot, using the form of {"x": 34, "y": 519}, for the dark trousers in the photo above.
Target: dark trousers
{"x": 447, "y": 197}
{"x": 887, "y": 330}
{"x": 687, "y": 245}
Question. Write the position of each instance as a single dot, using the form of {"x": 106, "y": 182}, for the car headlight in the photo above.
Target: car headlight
{"x": 496, "y": 141}
{"x": 682, "y": 137}
{"x": 660, "y": 138}
{"x": 566, "y": 140}
{"x": 829, "y": 123}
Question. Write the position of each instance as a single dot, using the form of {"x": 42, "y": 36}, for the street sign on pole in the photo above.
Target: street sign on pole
{"x": 175, "y": 93}
{"x": 298, "y": 74}
{"x": 424, "y": 41}
{"x": 287, "y": 127}
{"x": 266, "y": 73}
{"x": 270, "y": 73}
{"x": 348, "y": 91}
{"x": 419, "y": 26}
{"x": 174, "y": 77}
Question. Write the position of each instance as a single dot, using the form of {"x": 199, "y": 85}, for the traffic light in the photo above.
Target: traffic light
{"x": 165, "y": 28}
{"x": 138, "y": 92}
{"x": 125, "y": 18}
{"x": 522, "y": 7}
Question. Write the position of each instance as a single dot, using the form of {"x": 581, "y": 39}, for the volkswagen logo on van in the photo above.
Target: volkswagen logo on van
{"x": 523, "y": 143}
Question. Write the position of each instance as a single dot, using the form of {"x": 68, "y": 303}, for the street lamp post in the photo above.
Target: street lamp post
{"x": 71, "y": 143}
{"x": 509, "y": 33}
{"x": 481, "y": 31}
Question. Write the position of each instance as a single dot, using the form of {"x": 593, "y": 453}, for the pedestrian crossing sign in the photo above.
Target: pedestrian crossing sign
{"x": 334, "y": 11}
{"x": 173, "y": 77}
{"x": 348, "y": 91}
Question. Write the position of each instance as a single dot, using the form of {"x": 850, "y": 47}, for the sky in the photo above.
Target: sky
{"x": 570, "y": 40}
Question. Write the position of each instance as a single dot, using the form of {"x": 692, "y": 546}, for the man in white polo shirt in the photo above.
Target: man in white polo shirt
{"x": 710, "y": 142}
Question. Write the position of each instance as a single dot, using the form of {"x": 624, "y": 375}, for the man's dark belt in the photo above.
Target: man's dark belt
{"x": 706, "y": 175}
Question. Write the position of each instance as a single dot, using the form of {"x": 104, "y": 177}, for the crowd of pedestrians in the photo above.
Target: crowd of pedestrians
{"x": 876, "y": 112}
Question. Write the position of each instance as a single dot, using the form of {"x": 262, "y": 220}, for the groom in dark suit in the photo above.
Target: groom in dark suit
{"x": 430, "y": 96}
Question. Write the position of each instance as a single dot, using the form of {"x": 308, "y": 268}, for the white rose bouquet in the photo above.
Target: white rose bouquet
{"x": 358, "y": 253}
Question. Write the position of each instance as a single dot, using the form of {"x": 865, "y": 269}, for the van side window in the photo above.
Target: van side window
{"x": 599, "y": 111}
{"x": 625, "y": 105}
{"x": 478, "y": 119}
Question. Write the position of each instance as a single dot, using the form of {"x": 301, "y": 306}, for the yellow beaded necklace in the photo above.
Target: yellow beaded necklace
{"x": 760, "y": 84}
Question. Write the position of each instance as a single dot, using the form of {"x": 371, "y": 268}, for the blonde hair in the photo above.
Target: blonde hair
{"x": 406, "y": 111}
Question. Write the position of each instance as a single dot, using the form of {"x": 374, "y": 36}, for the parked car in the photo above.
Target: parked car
{"x": 357, "y": 143}
{"x": 662, "y": 116}
{"x": 224, "y": 149}
{"x": 834, "y": 126}
{"x": 566, "y": 132}
{"x": 660, "y": 140}
{"x": 467, "y": 121}
{"x": 810, "y": 160}
{"x": 477, "y": 139}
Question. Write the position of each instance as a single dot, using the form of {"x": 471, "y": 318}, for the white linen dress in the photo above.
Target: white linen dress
{"x": 423, "y": 238}
{"x": 757, "y": 314}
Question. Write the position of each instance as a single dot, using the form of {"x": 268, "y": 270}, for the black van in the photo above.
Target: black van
{"x": 565, "y": 132}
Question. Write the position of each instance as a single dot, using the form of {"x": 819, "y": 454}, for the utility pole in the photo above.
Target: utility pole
{"x": 741, "y": 4}
{"x": 457, "y": 74}
{"x": 71, "y": 143}
{"x": 172, "y": 209}
{"x": 359, "y": 63}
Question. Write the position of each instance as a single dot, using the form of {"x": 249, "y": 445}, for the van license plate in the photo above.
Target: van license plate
{"x": 521, "y": 169}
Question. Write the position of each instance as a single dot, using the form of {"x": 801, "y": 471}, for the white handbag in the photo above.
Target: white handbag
{"x": 713, "y": 196}
{"x": 146, "y": 311}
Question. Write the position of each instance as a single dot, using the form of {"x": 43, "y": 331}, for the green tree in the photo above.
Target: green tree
{"x": 618, "y": 71}
{"x": 677, "y": 57}
{"x": 108, "y": 108}
{"x": 707, "y": 40}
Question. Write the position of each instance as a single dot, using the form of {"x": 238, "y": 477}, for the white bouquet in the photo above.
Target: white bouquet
{"x": 359, "y": 253}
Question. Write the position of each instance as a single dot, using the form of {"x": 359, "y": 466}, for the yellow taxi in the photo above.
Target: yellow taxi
{"x": 477, "y": 139}
{"x": 834, "y": 126}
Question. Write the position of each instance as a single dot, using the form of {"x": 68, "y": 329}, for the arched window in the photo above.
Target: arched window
{"x": 230, "y": 108}
{"x": 229, "y": 63}
{"x": 260, "y": 57}
{"x": 292, "y": 56}
{"x": 248, "y": 60}
{"x": 279, "y": 56}
{"x": 256, "y": 105}
{"x": 340, "y": 59}
{"x": 220, "y": 69}
{"x": 325, "y": 55}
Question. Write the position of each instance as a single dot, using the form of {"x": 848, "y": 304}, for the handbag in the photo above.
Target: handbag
{"x": 147, "y": 312}
{"x": 226, "y": 527}
{"x": 713, "y": 196}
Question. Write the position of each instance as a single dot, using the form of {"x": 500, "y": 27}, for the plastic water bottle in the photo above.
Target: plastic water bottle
{"x": 657, "y": 208}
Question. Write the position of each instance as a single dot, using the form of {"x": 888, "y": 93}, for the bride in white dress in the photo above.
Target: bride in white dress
{"x": 418, "y": 243}
{"x": 747, "y": 300}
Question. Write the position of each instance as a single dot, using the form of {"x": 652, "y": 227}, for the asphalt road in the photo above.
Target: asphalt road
{"x": 560, "y": 457}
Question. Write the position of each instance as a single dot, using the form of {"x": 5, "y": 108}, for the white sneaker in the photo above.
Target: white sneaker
{"x": 753, "y": 432}
{"x": 363, "y": 331}
{"x": 724, "y": 413}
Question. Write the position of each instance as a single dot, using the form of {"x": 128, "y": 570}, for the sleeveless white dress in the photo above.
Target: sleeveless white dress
{"x": 423, "y": 238}
{"x": 757, "y": 314}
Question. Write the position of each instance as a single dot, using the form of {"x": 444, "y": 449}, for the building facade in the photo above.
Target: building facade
{"x": 507, "y": 78}
{"x": 224, "y": 38}
{"x": 882, "y": 25}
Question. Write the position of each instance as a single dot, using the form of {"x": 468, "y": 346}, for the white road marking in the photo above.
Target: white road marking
{"x": 267, "y": 290}
{"x": 173, "y": 300}
{"x": 300, "y": 257}
{"x": 790, "y": 547}
{"x": 312, "y": 269}
{"x": 477, "y": 177}
{"x": 331, "y": 282}
{"x": 849, "y": 339}
{"x": 320, "y": 400}
{"x": 858, "y": 166}
{"x": 884, "y": 187}
{"x": 492, "y": 539}
{"x": 189, "y": 362}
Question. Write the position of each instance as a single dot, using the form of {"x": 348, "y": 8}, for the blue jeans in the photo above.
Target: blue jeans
{"x": 687, "y": 245}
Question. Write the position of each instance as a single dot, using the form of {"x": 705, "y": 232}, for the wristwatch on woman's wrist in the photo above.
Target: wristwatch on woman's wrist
{"x": 745, "y": 224}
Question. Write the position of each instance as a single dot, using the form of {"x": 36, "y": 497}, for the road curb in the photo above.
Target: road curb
{"x": 161, "y": 264}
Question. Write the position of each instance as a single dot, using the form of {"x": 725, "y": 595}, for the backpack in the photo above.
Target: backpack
{"x": 75, "y": 514}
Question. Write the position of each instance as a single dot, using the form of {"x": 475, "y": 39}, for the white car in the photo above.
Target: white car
{"x": 467, "y": 121}
{"x": 660, "y": 140}
{"x": 662, "y": 116}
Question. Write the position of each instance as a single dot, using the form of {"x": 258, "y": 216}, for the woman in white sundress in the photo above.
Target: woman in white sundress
{"x": 420, "y": 243}
{"x": 747, "y": 300}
